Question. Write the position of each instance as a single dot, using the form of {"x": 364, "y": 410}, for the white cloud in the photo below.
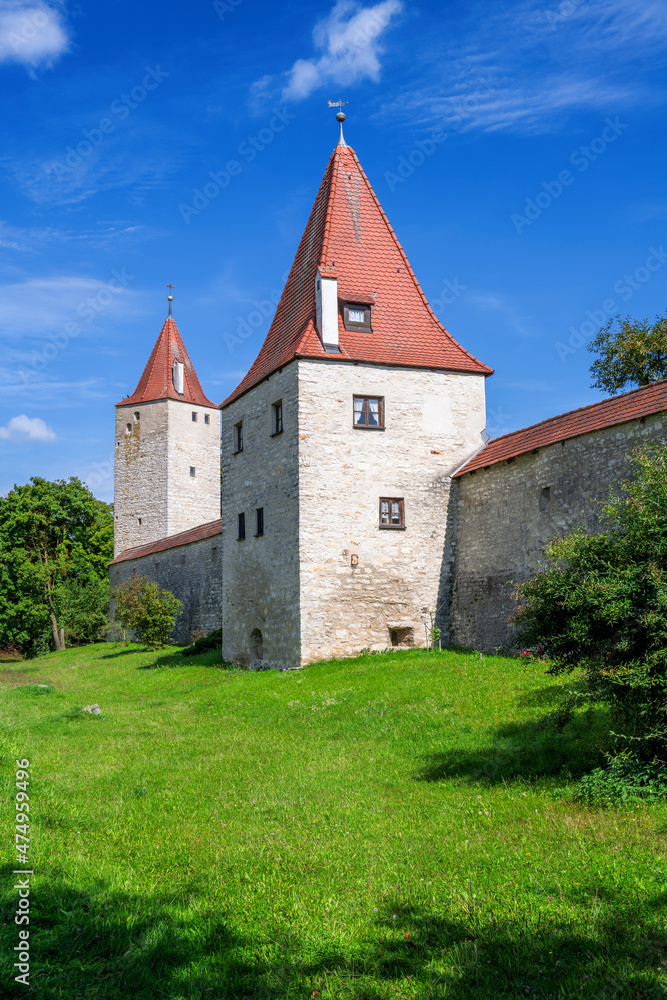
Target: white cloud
{"x": 23, "y": 428}
{"x": 349, "y": 39}
{"x": 33, "y": 34}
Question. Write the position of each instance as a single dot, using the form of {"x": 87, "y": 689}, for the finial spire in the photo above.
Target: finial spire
{"x": 170, "y": 298}
{"x": 340, "y": 117}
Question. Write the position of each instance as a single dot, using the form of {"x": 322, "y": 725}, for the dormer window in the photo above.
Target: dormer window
{"x": 357, "y": 317}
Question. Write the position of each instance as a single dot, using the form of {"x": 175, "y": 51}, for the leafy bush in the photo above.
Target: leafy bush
{"x": 601, "y": 606}
{"x": 625, "y": 779}
{"x": 211, "y": 641}
{"x": 147, "y": 610}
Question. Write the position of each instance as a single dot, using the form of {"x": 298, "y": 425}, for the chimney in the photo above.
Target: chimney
{"x": 177, "y": 373}
{"x": 326, "y": 299}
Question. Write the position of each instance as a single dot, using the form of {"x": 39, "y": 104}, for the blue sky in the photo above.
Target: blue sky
{"x": 519, "y": 150}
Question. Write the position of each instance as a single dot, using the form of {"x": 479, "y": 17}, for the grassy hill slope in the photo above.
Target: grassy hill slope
{"x": 390, "y": 826}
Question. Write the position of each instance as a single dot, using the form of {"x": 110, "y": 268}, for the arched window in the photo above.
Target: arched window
{"x": 256, "y": 645}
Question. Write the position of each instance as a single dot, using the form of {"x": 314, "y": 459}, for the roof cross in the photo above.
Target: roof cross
{"x": 170, "y": 298}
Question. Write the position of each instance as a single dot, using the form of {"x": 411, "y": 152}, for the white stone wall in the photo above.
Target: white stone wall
{"x": 192, "y": 500}
{"x": 433, "y": 423}
{"x": 261, "y": 575}
{"x": 152, "y": 483}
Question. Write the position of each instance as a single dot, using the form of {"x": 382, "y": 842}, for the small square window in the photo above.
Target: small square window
{"x": 194, "y": 417}
{"x": 207, "y": 418}
{"x": 192, "y": 471}
{"x": 391, "y": 512}
{"x": 277, "y": 417}
{"x": 357, "y": 317}
{"x": 238, "y": 437}
{"x": 259, "y": 521}
{"x": 368, "y": 411}
{"x": 241, "y": 534}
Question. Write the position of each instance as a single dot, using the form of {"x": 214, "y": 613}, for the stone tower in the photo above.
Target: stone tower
{"x": 339, "y": 445}
{"x": 167, "y": 449}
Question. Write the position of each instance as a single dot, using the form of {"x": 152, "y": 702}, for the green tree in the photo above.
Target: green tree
{"x": 601, "y": 606}
{"x": 634, "y": 352}
{"x": 147, "y": 610}
{"x": 56, "y": 540}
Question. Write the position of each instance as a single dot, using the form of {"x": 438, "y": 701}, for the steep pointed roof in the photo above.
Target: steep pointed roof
{"x": 348, "y": 236}
{"x": 157, "y": 380}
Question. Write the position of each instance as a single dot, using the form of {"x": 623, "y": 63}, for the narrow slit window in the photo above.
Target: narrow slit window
{"x": 194, "y": 417}
{"x": 259, "y": 521}
{"x": 277, "y": 417}
{"x": 369, "y": 412}
{"x": 545, "y": 498}
{"x": 238, "y": 437}
{"x": 391, "y": 512}
{"x": 241, "y": 534}
{"x": 207, "y": 418}
{"x": 192, "y": 471}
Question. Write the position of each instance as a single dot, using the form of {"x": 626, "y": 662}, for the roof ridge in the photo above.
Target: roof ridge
{"x": 578, "y": 409}
{"x": 643, "y": 401}
{"x": 330, "y": 202}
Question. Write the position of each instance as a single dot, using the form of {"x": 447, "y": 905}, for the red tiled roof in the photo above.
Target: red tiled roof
{"x": 156, "y": 381}
{"x": 349, "y": 232}
{"x": 172, "y": 542}
{"x": 642, "y": 402}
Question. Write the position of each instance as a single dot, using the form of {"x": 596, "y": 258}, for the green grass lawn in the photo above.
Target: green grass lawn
{"x": 395, "y": 825}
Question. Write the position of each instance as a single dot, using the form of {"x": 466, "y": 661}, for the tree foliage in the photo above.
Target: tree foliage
{"x": 56, "y": 540}
{"x": 634, "y": 352}
{"x": 601, "y": 606}
{"x": 147, "y": 610}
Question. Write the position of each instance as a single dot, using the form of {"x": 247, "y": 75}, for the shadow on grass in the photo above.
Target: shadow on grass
{"x": 529, "y": 750}
{"x": 209, "y": 658}
{"x": 91, "y": 942}
{"x": 125, "y": 651}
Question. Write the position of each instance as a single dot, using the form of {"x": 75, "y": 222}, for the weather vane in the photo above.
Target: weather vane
{"x": 170, "y": 298}
{"x": 340, "y": 117}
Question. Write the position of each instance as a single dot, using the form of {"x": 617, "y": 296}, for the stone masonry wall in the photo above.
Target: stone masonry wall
{"x": 261, "y": 574}
{"x": 193, "y": 573}
{"x": 154, "y": 495}
{"x": 433, "y": 423}
{"x": 140, "y": 474}
{"x": 504, "y": 520}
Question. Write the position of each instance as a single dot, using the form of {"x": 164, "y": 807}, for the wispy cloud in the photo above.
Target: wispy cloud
{"x": 527, "y": 66}
{"x": 33, "y": 34}
{"x": 23, "y": 428}
{"x": 347, "y": 43}
{"x": 40, "y": 306}
{"x": 116, "y": 166}
{"x": 33, "y": 239}
{"x": 59, "y": 394}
